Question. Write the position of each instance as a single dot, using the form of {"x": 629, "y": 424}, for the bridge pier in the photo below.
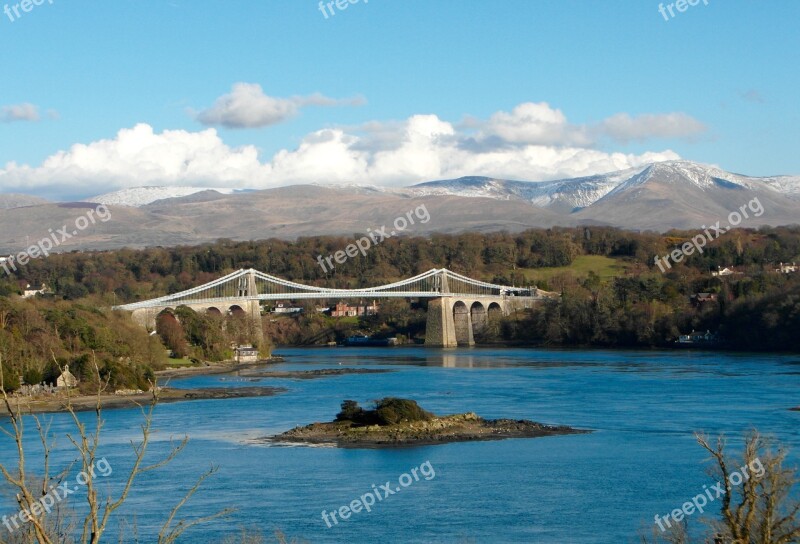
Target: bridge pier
{"x": 449, "y": 324}
{"x": 440, "y": 329}
{"x": 480, "y": 317}
{"x": 146, "y": 317}
{"x": 250, "y": 309}
{"x": 462, "y": 319}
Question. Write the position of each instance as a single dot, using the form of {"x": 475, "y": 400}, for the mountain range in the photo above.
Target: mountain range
{"x": 659, "y": 196}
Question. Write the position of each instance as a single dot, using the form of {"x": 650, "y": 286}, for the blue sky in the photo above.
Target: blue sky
{"x": 389, "y": 92}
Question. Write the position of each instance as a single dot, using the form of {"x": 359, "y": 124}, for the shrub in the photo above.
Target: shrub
{"x": 388, "y": 411}
{"x": 10, "y": 379}
{"x": 351, "y": 411}
{"x": 32, "y": 376}
{"x": 392, "y": 410}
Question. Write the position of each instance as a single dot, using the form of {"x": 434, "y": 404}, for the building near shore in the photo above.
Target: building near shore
{"x": 67, "y": 379}
{"x": 246, "y": 354}
{"x": 342, "y": 309}
{"x": 284, "y": 307}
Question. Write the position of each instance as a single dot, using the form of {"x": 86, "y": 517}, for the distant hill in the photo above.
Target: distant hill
{"x": 661, "y": 196}
{"x": 142, "y": 196}
{"x": 11, "y": 200}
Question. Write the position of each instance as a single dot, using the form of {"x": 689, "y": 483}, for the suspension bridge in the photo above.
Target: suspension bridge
{"x": 458, "y": 307}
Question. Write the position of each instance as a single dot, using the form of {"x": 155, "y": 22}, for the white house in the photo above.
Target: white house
{"x": 282, "y": 307}
{"x": 28, "y": 292}
{"x": 67, "y": 379}
{"x": 723, "y": 272}
{"x": 245, "y": 354}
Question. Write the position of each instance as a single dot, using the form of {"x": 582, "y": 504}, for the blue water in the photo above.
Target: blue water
{"x": 606, "y": 486}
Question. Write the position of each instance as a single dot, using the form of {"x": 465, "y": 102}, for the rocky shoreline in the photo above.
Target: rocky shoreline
{"x": 208, "y": 369}
{"x": 83, "y": 403}
{"x": 312, "y": 374}
{"x": 439, "y": 430}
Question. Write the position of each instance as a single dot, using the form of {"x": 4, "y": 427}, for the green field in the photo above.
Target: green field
{"x": 605, "y": 267}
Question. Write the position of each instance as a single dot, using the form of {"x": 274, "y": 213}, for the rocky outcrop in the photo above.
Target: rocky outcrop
{"x": 438, "y": 430}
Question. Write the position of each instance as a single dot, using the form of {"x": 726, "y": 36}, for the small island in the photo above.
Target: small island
{"x": 396, "y": 422}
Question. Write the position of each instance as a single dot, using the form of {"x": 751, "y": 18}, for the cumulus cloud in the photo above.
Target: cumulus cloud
{"x": 246, "y": 106}
{"x": 533, "y": 142}
{"x": 624, "y": 128}
{"x": 540, "y": 124}
{"x": 536, "y": 124}
{"x": 138, "y": 156}
{"x": 19, "y": 112}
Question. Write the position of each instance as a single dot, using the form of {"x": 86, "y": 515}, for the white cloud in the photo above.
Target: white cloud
{"x": 19, "y": 112}
{"x": 624, "y": 128}
{"x": 246, "y": 106}
{"x": 138, "y": 156}
{"x": 533, "y": 142}
{"x": 536, "y": 124}
{"x": 540, "y": 124}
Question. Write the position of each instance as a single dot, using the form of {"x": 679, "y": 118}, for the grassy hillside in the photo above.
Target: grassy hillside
{"x": 605, "y": 267}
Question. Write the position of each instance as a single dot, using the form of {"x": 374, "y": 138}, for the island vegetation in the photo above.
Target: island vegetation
{"x": 402, "y": 422}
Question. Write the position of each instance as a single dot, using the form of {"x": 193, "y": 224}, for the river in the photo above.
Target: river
{"x": 641, "y": 459}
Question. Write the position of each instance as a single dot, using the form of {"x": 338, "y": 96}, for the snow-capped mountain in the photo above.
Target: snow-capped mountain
{"x": 572, "y": 195}
{"x": 137, "y": 197}
{"x": 562, "y": 195}
{"x": 660, "y": 196}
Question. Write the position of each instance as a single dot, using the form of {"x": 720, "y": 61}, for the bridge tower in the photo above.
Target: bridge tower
{"x": 248, "y": 288}
{"x": 449, "y": 323}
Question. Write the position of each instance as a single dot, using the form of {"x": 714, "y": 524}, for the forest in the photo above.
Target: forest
{"x": 755, "y": 308}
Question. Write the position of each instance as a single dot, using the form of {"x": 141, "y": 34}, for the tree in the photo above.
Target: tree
{"x": 760, "y": 508}
{"x": 32, "y": 493}
{"x": 172, "y": 334}
{"x": 351, "y": 411}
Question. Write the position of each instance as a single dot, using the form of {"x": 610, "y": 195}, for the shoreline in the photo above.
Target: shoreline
{"x": 210, "y": 369}
{"x": 546, "y": 347}
{"x": 313, "y": 374}
{"x": 110, "y": 401}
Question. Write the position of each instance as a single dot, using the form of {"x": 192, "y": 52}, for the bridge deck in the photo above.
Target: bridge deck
{"x": 249, "y": 285}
